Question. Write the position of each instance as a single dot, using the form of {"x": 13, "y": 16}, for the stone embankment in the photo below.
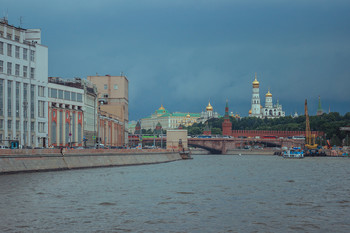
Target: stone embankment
{"x": 14, "y": 161}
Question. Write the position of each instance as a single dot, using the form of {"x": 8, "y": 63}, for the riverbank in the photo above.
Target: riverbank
{"x": 15, "y": 161}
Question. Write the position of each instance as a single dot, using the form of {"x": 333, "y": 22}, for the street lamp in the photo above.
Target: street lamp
{"x": 99, "y": 122}
{"x": 70, "y": 130}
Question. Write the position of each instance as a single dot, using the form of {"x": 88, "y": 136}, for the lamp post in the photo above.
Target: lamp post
{"x": 70, "y": 130}
{"x": 99, "y": 118}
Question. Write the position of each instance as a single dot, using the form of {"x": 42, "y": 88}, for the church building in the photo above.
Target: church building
{"x": 270, "y": 110}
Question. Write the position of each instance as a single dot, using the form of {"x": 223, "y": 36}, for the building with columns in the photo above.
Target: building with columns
{"x": 113, "y": 100}
{"x": 23, "y": 86}
{"x": 270, "y": 110}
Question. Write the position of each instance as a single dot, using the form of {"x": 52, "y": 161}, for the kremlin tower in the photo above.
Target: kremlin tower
{"x": 226, "y": 125}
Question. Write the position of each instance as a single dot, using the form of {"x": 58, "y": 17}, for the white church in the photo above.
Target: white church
{"x": 270, "y": 110}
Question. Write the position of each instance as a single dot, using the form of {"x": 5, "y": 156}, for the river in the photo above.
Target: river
{"x": 211, "y": 193}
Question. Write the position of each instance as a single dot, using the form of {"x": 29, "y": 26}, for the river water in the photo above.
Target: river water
{"x": 211, "y": 193}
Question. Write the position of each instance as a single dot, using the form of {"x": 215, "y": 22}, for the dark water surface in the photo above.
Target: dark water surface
{"x": 212, "y": 193}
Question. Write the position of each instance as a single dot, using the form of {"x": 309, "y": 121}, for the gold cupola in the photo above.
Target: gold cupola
{"x": 161, "y": 107}
{"x": 255, "y": 82}
{"x": 209, "y": 107}
{"x": 250, "y": 112}
{"x": 268, "y": 94}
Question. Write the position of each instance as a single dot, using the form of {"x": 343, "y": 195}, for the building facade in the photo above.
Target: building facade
{"x": 169, "y": 120}
{"x": 23, "y": 86}
{"x": 270, "y": 110}
{"x": 113, "y": 100}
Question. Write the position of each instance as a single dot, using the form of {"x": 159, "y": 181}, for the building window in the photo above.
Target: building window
{"x": 1, "y": 124}
{"x": 41, "y": 109}
{"x": 1, "y": 66}
{"x": 17, "y": 38}
{"x": 17, "y": 98}
{"x": 67, "y": 95}
{"x": 25, "y": 99}
{"x": 32, "y": 71}
{"x": 32, "y": 54}
{"x": 105, "y": 86}
{"x": 115, "y": 87}
{"x": 41, "y": 91}
{"x": 9, "y": 36}
{"x": 32, "y": 125}
{"x": 53, "y": 132}
{"x": 25, "y": 70}
{"x": 1, "y": 97}
{"x": 17, "y": 69}
{"x": 73, "y": 96}
{"x": 9, "y": 68}
{"x": 9, "y": 50}
{"x": 32, "y": 105}
{"x": 25, "y": 54}
{"x": 9, "y": 124}
{"x": 17, "y": 52}
{"x": 60, "y": 94}
{"x": 17, "y": 125}
{"x": 41, "y": 127}
{"x": 53, "y": 93}
{"x": 79, "y": 97}
{"x": 9, "y": 98}
{"x": 1, "y": 47}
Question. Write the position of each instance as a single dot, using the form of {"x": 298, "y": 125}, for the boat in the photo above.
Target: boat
{"x": 185, "y": 154}
{"x": 293, "y": 153}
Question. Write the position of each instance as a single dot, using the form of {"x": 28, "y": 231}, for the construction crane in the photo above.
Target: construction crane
{"x": 310, "y": 138}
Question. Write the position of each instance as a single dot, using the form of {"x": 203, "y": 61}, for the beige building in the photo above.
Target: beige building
{"x": 113, "y": 98}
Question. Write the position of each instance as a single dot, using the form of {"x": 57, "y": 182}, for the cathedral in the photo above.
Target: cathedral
{"x": 208, "y": 114}
{"x": 270, "y": 110}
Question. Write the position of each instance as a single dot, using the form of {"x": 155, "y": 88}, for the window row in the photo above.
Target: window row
{"x": 17, "y": 69}
{"x": 65, "y": 95}
{"x": 10, "y": 125}
{"x": 16, "y": 51}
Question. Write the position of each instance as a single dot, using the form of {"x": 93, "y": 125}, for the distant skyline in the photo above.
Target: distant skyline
{"x": 184, "y": 53}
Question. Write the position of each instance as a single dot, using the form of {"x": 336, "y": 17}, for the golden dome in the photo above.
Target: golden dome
{"x": 250, "y": 112}
{"x": 209, "y": 107}
{"x": 255, "y": 82}
{"x": 268, "y": 94}
{"x": 188, "y": 115}
{"x": 161, "y": 107}
{"x": 261, "y": 106}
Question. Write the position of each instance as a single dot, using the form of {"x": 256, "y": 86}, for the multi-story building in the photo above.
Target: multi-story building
{"x": 113, "y": 100}
{"x": 66, "y": 116}
{"x": 23, "y": 86}
{"x": 169, "y": 120}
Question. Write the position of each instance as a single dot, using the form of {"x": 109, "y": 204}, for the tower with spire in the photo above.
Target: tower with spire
{"x": 226, "y": 124}
{"x": 319, "y": 109}
{"x": 255, "y": 110}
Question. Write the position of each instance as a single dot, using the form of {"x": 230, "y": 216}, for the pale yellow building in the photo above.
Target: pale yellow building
{"x": 113, "y": 98}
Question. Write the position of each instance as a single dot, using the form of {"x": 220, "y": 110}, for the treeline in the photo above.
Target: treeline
{"x": 328, "y": 123}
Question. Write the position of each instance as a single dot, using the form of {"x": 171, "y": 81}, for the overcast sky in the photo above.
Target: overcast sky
{"x": 183, "y": 53}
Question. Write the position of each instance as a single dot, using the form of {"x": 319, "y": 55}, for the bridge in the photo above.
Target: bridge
{"x": 222, "y": 145}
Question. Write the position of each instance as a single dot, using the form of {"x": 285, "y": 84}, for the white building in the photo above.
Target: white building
{"x": 23, "y": 86}
{"x": 270, "y": 110}
{"x": 208, "y": 114}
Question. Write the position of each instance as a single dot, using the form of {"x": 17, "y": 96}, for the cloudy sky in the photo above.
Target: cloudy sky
{"x": 183, "y": 53}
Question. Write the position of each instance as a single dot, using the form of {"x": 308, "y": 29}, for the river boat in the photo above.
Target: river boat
{"x": 293, "y": 153}
{"x": 185, "y": 154}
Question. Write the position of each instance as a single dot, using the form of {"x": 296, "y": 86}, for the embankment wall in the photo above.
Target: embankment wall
{"x": 49, "y": 160}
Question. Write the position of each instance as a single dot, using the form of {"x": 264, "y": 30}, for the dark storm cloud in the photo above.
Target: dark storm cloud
{"x": 183, "y": 53}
